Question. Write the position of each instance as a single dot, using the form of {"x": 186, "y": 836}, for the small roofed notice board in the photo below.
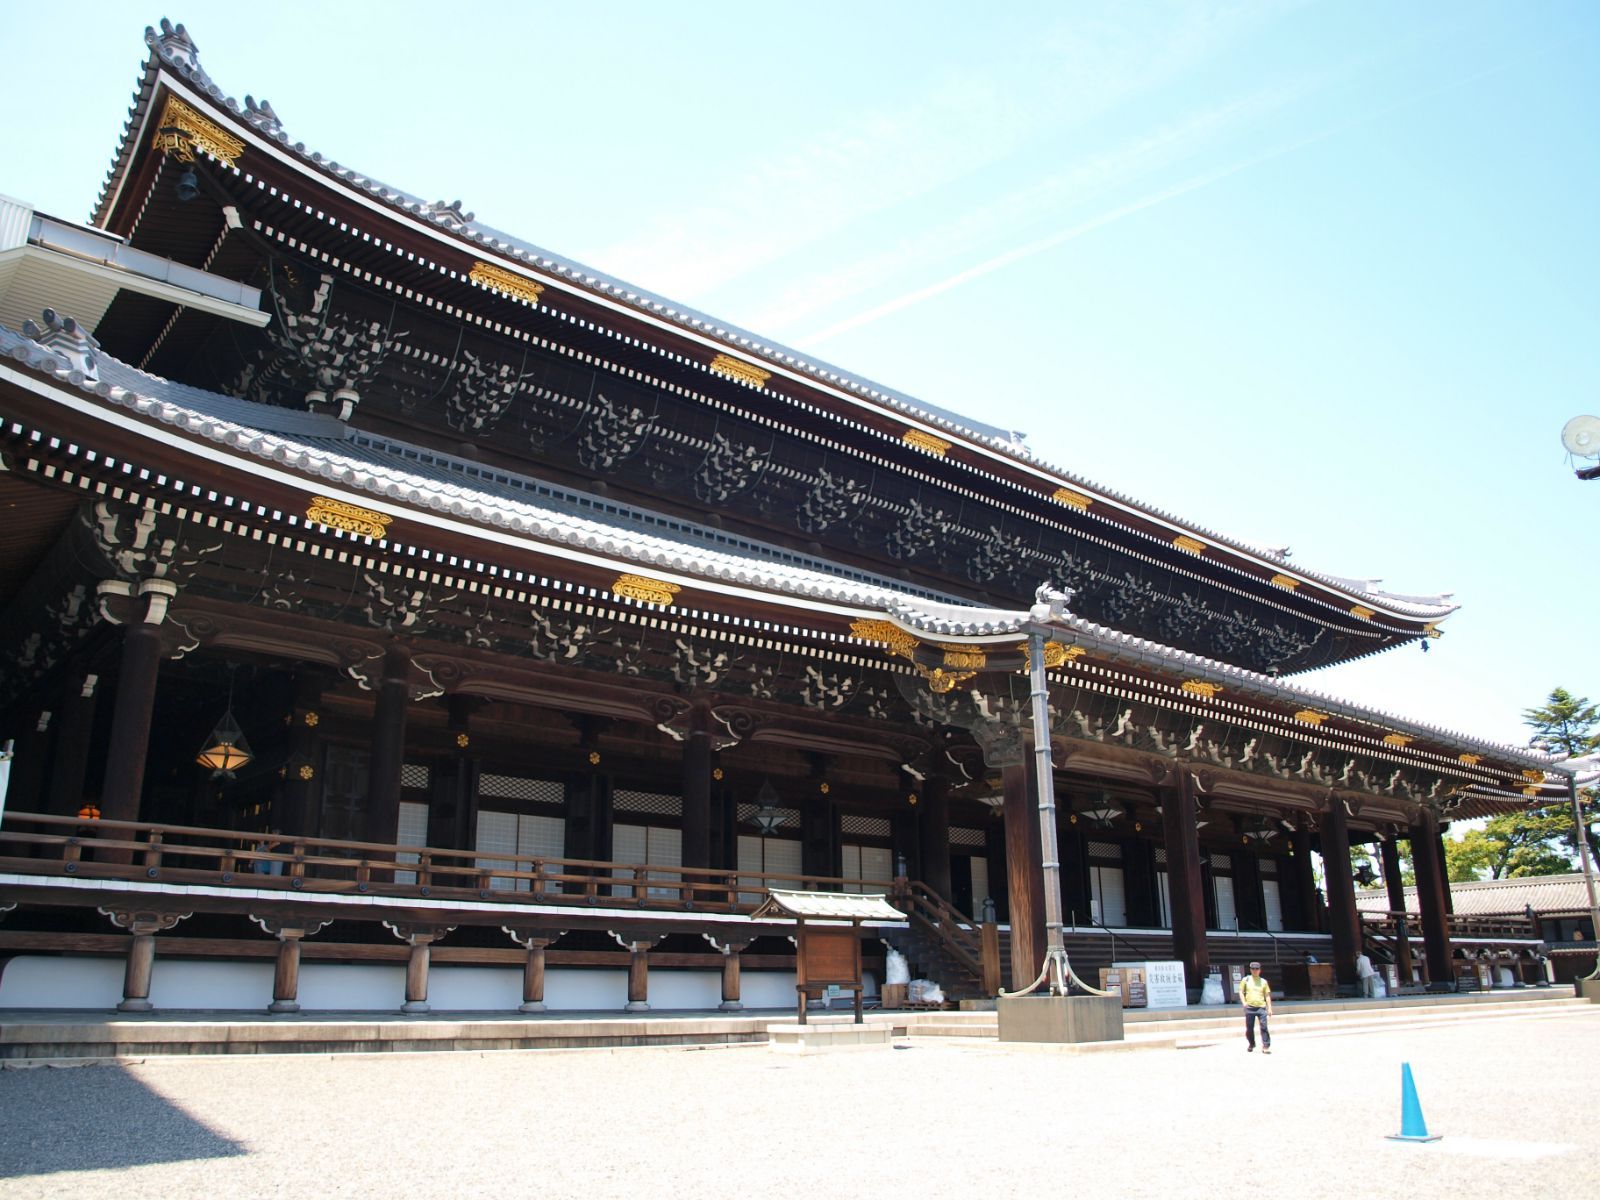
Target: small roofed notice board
{"x": 1164, "y": 984}
{"x": 827, "y": 939}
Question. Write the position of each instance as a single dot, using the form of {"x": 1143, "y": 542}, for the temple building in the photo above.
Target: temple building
{"x": 383, "y": 590}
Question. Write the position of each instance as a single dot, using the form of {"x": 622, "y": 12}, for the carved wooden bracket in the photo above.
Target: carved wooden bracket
{"x": 533, "y": 939}
{"x": 417, "y": 935}
{"x": 289, "y": 928}
{"x": 143, "y": 921}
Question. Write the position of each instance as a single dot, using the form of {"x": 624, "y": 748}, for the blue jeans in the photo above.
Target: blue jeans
{"x": 1251, "y": 1016}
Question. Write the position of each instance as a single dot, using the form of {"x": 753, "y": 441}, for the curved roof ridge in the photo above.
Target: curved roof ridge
{"x": 174, "y": 48}
{"x": 943, "y": 620}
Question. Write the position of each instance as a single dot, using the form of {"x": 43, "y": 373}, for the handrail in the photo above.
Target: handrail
{"x": 1277, "y": 956}
{"x": 956, "y": 931}
{"x": 1074, "y": 917}
{"x": 107, "y": 848}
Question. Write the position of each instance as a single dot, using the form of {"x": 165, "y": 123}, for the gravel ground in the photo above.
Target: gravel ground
{"x": 1513, "y": 1099}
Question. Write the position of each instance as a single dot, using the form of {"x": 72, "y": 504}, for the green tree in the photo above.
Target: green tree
{"x": 1530, "y": 842}
{"x": 1568, "y": 725}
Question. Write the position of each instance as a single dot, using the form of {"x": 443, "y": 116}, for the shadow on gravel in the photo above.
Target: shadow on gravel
{"x": 94, "y": 1118}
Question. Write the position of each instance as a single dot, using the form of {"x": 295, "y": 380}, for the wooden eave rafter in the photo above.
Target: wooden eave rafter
{"x": 1034, "y": 485}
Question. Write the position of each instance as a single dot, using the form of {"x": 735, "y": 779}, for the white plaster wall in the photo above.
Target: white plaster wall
{"x": 39, "y": 982}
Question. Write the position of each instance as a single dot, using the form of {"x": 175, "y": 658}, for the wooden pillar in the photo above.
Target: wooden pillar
{"x": 697, "y": 790}
{"x": 141, "y": 952}
{"x": 29, "y": 764}
{"x": 453, "y": 791}
{"x": 302, "y": 789}
{"x": 535, "y": 942}
{"x": 1431, "y": 889}
{"x": 1396, "y": 888}
{"x": 1184, "y": 881}
{"x": 388, "y": 749}
{"x": 420, "y": 938}
{"x": 73, "y": 731}
{"x": 933, "y": 832}
{"x": 730, "y": 952}
{"x": 1344, "y": 921}
{"x": 1024, "y": 875}
{"x": 819, "y": 824}
{"x": 1444, "y": 870}
{"x": 140, "y": 610}
{"x": 1139, "y": 883}
{"x": 1305, "y": 882}
{"x": 638, "y": 948}
{"x": 1249, "y": 903}
{"x": 286, "y": 973}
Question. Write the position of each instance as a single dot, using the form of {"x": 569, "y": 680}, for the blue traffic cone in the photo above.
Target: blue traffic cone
{"x": 1412, "y": 1127}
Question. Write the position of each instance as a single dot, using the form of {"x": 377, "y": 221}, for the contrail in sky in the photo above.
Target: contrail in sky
{"x": 1020, "y": 253}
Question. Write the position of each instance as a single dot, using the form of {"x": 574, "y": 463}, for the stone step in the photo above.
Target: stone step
{"x": 1195, "y": 1026}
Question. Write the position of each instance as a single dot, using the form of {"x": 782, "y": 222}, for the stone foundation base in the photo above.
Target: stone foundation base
{"x": 817, "y": 1038}
{"x": 1060, "y": 1018}
{"x": 1588, "y": 989}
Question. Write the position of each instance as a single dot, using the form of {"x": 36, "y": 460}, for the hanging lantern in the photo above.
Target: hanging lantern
{"x": 767, "y": 817}
{"x": 1102, "y": 811}
{"x": 226, "y": 750}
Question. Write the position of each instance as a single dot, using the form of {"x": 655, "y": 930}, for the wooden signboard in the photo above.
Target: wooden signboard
{"x": 829, "y": 956}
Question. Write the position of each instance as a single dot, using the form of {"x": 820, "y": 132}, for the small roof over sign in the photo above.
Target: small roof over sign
{"x": 828, "y": 906}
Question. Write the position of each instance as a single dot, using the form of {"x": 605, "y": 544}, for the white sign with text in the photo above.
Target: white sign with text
{"x": 1164, "y": 983}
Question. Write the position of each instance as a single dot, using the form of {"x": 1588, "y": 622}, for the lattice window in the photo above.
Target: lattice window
{"x": 414, "y": 775}
{"x": 1161, "y": 856}
{"x": 1269, "y": 868}
{"x": 659, "y": 803}
{"x": 960, "y": 836}
{"x": 1106, "y": 850}
{"x": 1222, "y": 862}
{"x": 871, "y": 863}
{"x": 646, "y": 845}
{"x": 513, "y": 787}
{"x": 864, "y": 826}
{"x": 520, "y": 838}
{"x": 758, "y": 855}
{"x": 413, "y": 832}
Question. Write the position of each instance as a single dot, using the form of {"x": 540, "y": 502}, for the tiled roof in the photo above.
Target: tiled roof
{"x": 1498, "y": 897}
{"x": 172, "y": 48}
{"x": 322, "y": 448}
{"x": 828, "y": 906}
{"x": 956, "y": 622}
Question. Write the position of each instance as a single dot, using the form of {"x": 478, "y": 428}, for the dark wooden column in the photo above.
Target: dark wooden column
{"x": 453, "y": 795}
{"x": 141, "y": 610}
{"x": 74, "y": 727}
{"x": 420, "y": 938}
{"x": 1344, "y": 921}
{"x": 1139, "y": 882}
{"x": 1024, "y": 875}
{"x": 638, "y": 947}
{"x": 389, "y": 751}
{"x": 1248, "y": 902}
{"x": 697, "y": 789}
{"x": 27, "y": 789}
{"x": 819, "y": 824}
{"x": 730, "y": 952}
{"x": 535, "y": 942}
{"x": 1396, "y": 888}
{"x": 302, "y": 788}
{"x": 1444, "y": 869}
{"x": 143, "y": 925}
{"x": 1304, "y": 882}
{"x": 933, "y": 831}
{"x": 286, "y": 974}
{"x": 1184, "y": 880}
{"x": 1431, "y": 890}
{"x": 1075, "y": 890}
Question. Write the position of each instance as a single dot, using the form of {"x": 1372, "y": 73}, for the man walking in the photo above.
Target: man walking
{"x": 1255, "y": 993}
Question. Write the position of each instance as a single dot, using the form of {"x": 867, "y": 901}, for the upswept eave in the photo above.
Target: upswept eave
{"x": 172, "y": 49}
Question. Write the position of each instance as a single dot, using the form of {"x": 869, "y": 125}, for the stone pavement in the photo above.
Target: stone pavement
{"x": 1513, "y": 1099}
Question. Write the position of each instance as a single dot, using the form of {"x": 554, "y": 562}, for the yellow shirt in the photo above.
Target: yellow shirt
{"x": 1255, "y": 991}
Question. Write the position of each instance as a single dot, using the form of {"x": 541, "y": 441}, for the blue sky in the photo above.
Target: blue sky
{"x": 1324, "y": 275}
